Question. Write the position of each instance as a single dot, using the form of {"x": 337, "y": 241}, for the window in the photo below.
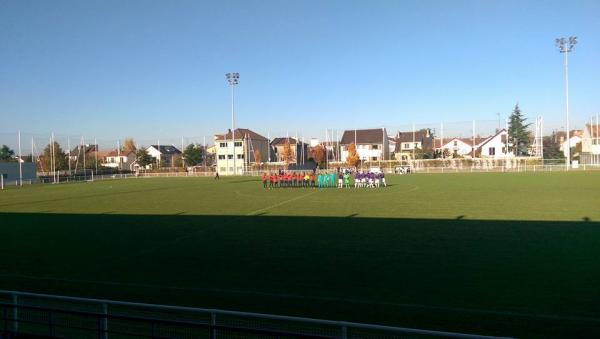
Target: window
{"x": 492, "y": 151}
{"x": 237, "y": 144}
{"x": 240, "y": 156}
{"x": 222, "y": 157}
{"x": 375, "y": 147}
{"x": 374, "y": 158}
{"x": 455, "y": 143}
{"x": 406, "y": 146}
{"x": 222, "y": 169}
{"x": 222, "y": 144}
{"x": 416, "y": 145}
{"x": 229, "y": 156}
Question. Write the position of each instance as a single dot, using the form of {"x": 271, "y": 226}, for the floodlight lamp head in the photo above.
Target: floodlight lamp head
{"x": 233, "y": 78}
{"x": 572, "y": 42}
{"x": 561, "y": 44}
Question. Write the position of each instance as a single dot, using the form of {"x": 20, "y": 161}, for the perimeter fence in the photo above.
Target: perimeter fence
{"x": 95, "y": 155}
{"x": 32, "y": 314}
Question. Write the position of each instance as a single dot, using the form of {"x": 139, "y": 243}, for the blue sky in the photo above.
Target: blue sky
{"x": 155, "y": 69}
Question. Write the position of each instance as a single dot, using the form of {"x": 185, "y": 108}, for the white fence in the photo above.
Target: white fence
{"x": 58, "y": 316}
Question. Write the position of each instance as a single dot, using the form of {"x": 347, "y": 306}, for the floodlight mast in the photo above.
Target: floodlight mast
{"x": 233, "y": 80}
{"x": 565, "y": 46}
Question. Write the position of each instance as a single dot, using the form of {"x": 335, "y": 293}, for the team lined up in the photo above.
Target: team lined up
{"x": 322, "y": 180}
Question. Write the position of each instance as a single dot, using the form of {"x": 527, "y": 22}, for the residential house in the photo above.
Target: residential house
{"x": 332, "y": 150}
{"x": 298, "y": 149}
{"x": 122, "y": 160}
{"x": 80, "y": 151}
{"x": 391, "y": 144}
{"x": 590, "y": 144}
{"x": 407, "y": 143}
{"x": 575, "y": 137}
{"x": 493, "y": 146}
{"x": 81, "y": 154}
{"x": 238, "y": 150}
{"x": 164, "y": 155}
{"x": 456, "y": 146}
{"x": 371, "y": 144}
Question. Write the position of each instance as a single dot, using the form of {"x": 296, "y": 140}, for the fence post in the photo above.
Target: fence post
{"x": 104, "y": 334}
{"x": 213, "y": 323}
{"x": 50, "y": 324}
{"x": 15, "y": 302}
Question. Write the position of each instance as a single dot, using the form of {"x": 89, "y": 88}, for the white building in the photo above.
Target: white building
{"x": 246, "y": 147}
{"x": 487, "y": 147}
{"x": 590, "y": 147}
{"x": 371, "y": 144}
{"x": 456, "y": 146}
{"x": 575, "y": 137}
{"x": 164, "y": 155}
{"x": 391, "y": 144}
{"x": 494, "y": 146}
{"x": 122, "y": 160}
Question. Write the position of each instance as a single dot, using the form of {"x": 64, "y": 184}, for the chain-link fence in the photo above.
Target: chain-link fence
{"x": 406, "y": 142}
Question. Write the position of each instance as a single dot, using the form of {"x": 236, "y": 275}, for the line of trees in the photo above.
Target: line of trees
{"x": 6, "y": 154}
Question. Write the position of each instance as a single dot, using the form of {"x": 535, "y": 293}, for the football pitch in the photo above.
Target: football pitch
{"x": 487, "y": 253}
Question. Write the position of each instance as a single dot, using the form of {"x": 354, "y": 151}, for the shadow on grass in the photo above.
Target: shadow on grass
{"x": 517, "y": 278}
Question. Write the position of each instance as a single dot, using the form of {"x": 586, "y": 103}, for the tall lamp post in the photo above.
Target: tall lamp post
{"x": 233, "y": 79}
{"x": 565, "y": 45}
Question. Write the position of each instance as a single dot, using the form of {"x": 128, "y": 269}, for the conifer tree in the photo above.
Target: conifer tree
{"x": 518, "y": 133}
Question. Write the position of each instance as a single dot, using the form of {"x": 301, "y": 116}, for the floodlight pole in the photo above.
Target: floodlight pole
{"x": 233, "y": 79}
{"x": 565, "y": 46}
{"x": 20, "y": 162}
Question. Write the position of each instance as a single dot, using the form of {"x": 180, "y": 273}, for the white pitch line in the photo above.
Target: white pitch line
{"x": 281, "y": 203}
{"x": 308, "y": 297}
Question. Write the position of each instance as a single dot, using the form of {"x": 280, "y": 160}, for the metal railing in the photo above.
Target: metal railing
{"x": 23, "y": 313}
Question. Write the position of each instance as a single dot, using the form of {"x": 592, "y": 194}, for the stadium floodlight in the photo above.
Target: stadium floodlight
{"x": 565, "y": 46}
{"x": 233, "y": 79}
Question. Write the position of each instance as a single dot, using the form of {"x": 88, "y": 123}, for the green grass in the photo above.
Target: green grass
{"x": 490, "y": 253}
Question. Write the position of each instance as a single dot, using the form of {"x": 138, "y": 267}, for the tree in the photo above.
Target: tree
{"x": 318, "y": 154}
{"x": 193, "y": 155}
{"x": 552, "y": 147}
{"x": 286, "y": 153}
{"x": 424, "y": 154}
{"x": 6, "y": 154}
{"x": 142, "y": 158}
{"x": 352, "y": 159}
{"x": 129, "y": 145}
{"x": 60, "y": 158}
{"x": 518, "y": 135}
